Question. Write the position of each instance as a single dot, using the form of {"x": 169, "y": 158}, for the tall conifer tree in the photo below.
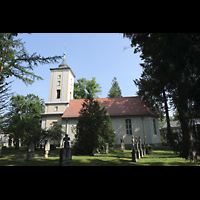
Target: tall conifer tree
{"x": 115, "y": 90}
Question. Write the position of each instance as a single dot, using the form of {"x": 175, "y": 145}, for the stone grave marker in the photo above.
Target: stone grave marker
{"x": 147, "y": 149}
{"x": 134, "y": 155}
{"x": 31, "y": 148}
{"x": 140, "y": 148}
{"x": 144, "y": 149}
{"x": 132, "y": 140}
{"x": 66, "y": 153}
{"x": 107, "y": 148}
{"x": 137, "y": 148}
{"x": 1, "y": 146}
{"x": 122, "y": 144}
{"x": 46, "y": 148}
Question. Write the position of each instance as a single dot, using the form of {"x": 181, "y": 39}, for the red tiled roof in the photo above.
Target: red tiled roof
{"x": 119, "y": 106}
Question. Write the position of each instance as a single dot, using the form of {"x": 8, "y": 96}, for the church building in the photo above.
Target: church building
{"x": 129, "y": 115}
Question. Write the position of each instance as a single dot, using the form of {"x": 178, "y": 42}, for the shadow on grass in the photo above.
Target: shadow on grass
{"x": 54, "y": 161}
{"x": 114, "y": 158}
{"x": 99, "y": 162}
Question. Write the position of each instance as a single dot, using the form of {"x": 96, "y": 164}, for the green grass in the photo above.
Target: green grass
{"x": 16, "y": 154}
{"x": 161, "y": 156}
{"x": 11, "y": 154}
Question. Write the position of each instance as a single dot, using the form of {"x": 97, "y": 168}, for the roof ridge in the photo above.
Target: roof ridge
{"x": 110, "y": 98}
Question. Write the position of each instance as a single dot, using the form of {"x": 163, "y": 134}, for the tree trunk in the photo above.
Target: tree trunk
{"x": 169, "y": 132}
{"x": 188, "y": 143}
{"x": 17, "y": 144}
{"x": 185, "y": 133}
{"x": 188, "y": 150}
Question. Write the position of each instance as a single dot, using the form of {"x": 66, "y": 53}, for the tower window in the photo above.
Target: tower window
{"x": 58, "y": 94}
{"x": 56, "y": 108}
{"x": 71, "y": 84}
{"x": 58, "y": 84}
{"x": 59, "y": 76}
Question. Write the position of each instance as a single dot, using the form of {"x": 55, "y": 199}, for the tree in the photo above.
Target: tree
{"x": 23, "y": 121}
{"x": 94, "y": 129}
{"x": 52, "y": 133}
{"x": 154, "y": 96}
{"x": 4, "y": 94}
{"x": 86, "y": 89}
{"x": 115, "y": 90}
{"x": 15, "y": 61}
{"x": 174, "y": 61}
{"x": 146, "y": 91}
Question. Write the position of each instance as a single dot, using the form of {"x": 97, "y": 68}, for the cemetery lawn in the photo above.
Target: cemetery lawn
{"x": 161, "y": 156}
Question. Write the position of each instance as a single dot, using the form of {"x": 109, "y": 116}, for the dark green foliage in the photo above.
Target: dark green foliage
{"x": 16, "y": 61}
{"x": 172, "y": 61}
{"x": 53, "y": 133}
{"x": 14, "y": 56}
{"x": 147, "y": 91}
{"x": 115, "y": 90}
{"x": 94, "y": 129}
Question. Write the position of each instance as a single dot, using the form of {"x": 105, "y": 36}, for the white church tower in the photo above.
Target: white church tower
{"x": 62, "y": 84}
{"x": 61, "y": 91}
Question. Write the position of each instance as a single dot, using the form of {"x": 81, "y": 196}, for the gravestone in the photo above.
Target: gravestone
{"x": 122, "y": 144}
{"x": 137, "y": 148}
{"x": 132, "y": 140}
{"x": 140, "y": 148}
{"x": 66, "y": 141}
{"x": 147, "y": 149}
{"x": 20, "y": 142}
{"x": 134, "y": 155}
{"x": 93, "y": 151}
{"x": 144, "y": 149}
{"x": 31, "y": 149}
{"x": 65, "y": 157}
{"x": 65, "y": 153}
{"x": 107, "y": 146}
{"x": 46, "y": 148}
{"x": 1, "y": 146}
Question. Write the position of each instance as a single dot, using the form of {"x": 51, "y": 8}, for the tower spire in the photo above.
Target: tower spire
{"x": 64, "y": 64}
{"x": 64, "y": 52}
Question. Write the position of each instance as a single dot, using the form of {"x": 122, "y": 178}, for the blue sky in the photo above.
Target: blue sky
{"x": 99, "y": 55}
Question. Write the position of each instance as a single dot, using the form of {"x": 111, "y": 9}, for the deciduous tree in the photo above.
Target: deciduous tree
{"x": 86, "y": 89}
{"x": 23, "y": 121}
